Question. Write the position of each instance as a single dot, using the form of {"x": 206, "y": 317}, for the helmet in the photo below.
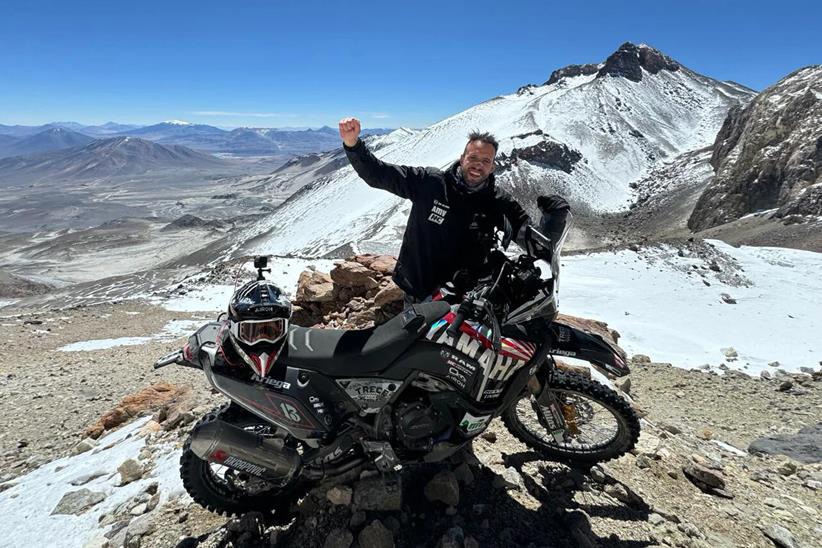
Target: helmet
{"x": 258, "y": 317}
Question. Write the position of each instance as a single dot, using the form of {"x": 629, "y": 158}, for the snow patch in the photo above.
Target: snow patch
{"x": 102, "y": 344}
{"x": 663, "y": 311}
{"x": 26, "y": 508}
{"x": 171, "y": 331}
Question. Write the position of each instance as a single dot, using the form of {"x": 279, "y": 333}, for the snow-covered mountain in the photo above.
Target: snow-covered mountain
{"x": 588, "y": 133}
{"x": 174, "y": 131}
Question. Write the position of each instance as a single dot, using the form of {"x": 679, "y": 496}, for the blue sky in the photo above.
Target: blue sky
{"x": 280, "y": 63}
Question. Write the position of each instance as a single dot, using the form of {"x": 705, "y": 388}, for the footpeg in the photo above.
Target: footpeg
{"x": 385, "y": 459}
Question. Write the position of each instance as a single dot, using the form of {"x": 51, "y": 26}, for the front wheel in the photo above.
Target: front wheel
{"x": 579, "y": 421}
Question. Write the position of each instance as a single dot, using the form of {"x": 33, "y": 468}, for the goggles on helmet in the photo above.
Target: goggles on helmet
{"x": 255, "y": 331}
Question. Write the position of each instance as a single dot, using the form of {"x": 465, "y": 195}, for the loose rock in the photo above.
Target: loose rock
{"x": 86, "y": 445}
{"x": 338, "y": 538}
{"x": 780, "y": 536}
{"x": 509, "y": 479}
{"x": 443, "y": 487}
{"x": 703, "y": 478}
{"x": 376, "y": 535}
{"x": 340, "y": 495}
{"x": 77, "y": 502}
{"x": 374, "y": 493}
{"x": 130, "y": 470}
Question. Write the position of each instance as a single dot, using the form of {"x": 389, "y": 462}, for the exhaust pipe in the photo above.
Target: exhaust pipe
{"x": 223, "y": 443}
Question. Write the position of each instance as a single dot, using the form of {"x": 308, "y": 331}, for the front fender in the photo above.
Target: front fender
{"x": 583, "y": 345}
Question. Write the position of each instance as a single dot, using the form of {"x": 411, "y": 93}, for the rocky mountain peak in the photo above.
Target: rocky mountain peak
{"x": 629, "y": 60}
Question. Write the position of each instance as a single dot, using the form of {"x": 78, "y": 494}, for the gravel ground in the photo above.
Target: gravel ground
{"x": 52, "y": 396}
{"x": 512, "y": 498}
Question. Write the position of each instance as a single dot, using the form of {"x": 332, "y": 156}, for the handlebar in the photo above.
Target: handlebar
{"x": 168, "y": 359}
{"x": 454, "y": 329}
{"x": 479, "y": 308}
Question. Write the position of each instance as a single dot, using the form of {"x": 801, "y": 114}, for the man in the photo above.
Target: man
{"x": 453, "y": 212}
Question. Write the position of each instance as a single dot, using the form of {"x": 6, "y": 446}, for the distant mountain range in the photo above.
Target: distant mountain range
{"x": 112, "y": 157}
{"x": 54, "y": 138}
{"x": 286, "y": 142}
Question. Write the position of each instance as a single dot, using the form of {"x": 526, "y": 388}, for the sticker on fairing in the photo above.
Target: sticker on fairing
{"x": 474, "y": 425}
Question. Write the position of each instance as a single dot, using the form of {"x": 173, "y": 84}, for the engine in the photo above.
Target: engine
{"x": 418, "y": 424}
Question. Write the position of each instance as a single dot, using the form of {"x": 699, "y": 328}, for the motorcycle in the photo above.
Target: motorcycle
{"x": 416, "y": 389}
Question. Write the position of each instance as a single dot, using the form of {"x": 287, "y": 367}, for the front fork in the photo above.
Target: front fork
{"x": 556, "y": 416}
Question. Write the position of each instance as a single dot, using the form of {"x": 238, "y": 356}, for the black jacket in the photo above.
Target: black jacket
{"x": 448, "y": 227}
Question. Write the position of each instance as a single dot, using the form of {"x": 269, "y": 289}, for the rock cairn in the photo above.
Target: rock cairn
{"x": 358, "y": 293}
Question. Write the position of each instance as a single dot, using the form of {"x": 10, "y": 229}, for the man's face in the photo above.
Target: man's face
{"x": 477, "y": 162}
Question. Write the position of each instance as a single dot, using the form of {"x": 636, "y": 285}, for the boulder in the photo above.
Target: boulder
{"x": 592, "y": 326}
{"x": 780, "y": 536}
{"x": 805, "y": 446}
{"x": 365, "y": 259}
{"x": 388, "y": 294}
{"x": 623, "y": 494}
{"x": 178, "y": 415}
{"x": 384, "y": 264}
{"x": 464, "y": 474}
{"x": 86, "y": 445}
{"x": 149, "y": 398}
{"x": 314, "y": 287}
{"x": 353, "y": 274}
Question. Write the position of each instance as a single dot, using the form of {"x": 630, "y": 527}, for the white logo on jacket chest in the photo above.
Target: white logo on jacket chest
{"x": 438, "y": 212}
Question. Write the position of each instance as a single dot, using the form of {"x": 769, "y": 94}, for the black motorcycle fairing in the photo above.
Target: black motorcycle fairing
{"x": 304, "y": 403}
{"x": 574, "y": 343}
{"x": 433, "y": 359}
{"x": 362, "y": 352}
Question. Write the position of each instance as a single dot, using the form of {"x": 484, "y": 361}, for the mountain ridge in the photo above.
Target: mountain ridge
{"x": 54, "y": 138}
{"x": 114, "y": 156}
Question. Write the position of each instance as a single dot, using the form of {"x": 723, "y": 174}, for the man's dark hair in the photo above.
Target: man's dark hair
{"x": 484, "y": 137}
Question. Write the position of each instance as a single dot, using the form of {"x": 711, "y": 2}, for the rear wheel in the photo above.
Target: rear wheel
{"x": 226, "y": 491}
{"x": 583, "y": 421}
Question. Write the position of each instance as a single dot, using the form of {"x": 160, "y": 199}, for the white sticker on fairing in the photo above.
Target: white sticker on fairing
{"x": 370, "y": 394}
{"x": 474, "y": 425}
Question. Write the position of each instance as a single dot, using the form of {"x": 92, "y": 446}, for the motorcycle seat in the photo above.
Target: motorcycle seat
{"x": 360, "y": 352}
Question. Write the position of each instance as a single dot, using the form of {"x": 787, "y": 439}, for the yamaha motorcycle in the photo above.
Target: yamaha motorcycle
{"x": 416, "y": 389}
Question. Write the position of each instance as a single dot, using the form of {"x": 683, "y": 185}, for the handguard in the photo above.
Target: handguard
{"x": 575, "y": 343}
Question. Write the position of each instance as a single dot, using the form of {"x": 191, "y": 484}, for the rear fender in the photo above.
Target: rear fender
{"x": 582, "y": 345}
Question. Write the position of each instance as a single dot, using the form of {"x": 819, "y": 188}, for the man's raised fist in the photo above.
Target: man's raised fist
{"x": 350, "y": 131}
